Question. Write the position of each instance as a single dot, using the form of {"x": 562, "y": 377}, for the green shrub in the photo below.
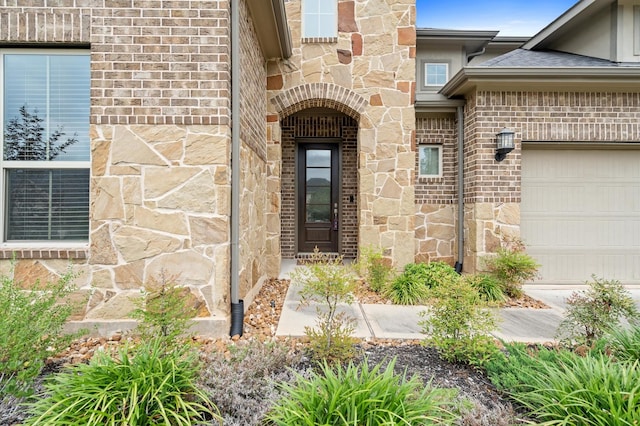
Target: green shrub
{"x": 458, "y": 324}
{"x": 31, "y": 323}
{"x": 624, "y": 344}
{"x": 375, "y": 269}
{"x": 487, "y": 286}
{"x": 147, "y": 386}
{"x": 163, "y": 312}
{"x": 512, "y": 267}
{"x": 596, "y": 310}
{"x": 588, "y": 390}
{"x": 358, "y": 395}
{"x": 327, "y": 281}
{"x": 413, "y": 286}
{"x": 505, "y": 370}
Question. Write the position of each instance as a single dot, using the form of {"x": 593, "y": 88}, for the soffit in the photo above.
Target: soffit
{"x": 472, "y": 41}
{"x": 270, "y": 22}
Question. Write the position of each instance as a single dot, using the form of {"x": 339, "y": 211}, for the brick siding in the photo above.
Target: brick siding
{"x": 320, "y": 126}
{"x": 438, "y": 131}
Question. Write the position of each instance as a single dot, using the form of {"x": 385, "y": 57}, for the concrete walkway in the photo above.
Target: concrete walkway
{"x": 401, "y": 322}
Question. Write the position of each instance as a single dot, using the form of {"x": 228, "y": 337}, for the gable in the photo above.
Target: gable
{"x": 605, "y": 29}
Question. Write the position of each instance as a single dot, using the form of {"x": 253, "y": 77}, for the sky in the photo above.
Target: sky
{"x": 510, "y": 17}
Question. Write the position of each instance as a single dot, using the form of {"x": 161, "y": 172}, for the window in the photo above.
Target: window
{"x": 430, "y": 160}
{"x": 436, "y": 74}
{"x": 319, "y": 18}
{"x": 45, "y": 145}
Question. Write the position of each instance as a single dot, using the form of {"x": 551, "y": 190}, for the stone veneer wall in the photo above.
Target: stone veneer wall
{"x": 160, "y": 141}
{"x": 318, "y": 126}
{"x": 368, "y": 73}
{"x": 492, "y": 201}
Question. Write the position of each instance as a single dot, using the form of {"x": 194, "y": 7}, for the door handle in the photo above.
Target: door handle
{"x": 335, "y": 217}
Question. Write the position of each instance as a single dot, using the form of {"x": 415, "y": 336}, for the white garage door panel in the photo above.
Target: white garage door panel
{"x": 580, "y": 213}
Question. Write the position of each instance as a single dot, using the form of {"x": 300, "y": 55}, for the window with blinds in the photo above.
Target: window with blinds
{"x": 45, "y": 145}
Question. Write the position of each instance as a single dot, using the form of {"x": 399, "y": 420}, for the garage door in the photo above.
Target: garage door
{"x": 580, "y": 213}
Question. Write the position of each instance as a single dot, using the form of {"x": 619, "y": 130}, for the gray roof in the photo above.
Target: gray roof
{"x": 545, "y": 59}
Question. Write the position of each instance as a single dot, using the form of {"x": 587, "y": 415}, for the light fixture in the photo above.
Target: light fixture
{"x": 504, "y": 143}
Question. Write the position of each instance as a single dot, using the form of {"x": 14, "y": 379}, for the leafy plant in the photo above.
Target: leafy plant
{"x": 488, "y": 287}
{"x": 624, "y": 344}
{"x": 163, "y": 312}
{"x": 458, "y": 324}
{"x": 375, "y": 268}
{"x": 588, "y": 390}
{"x": 31, "y": 323}
{"x": 594, "y": 311}
{"x": 358, "y": 395}
{"x": 438, "y": 274}
{"x": 512, "y": 267}
{"x": 506, "y": 369}
{"x": 243, "y": 382}
{"x": 413, "y": 286}
{"x": 327, "y": 281}
{"x": 148, "y": 386}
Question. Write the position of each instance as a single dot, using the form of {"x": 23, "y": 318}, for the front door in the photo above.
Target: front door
{"x": 318, "y": 197}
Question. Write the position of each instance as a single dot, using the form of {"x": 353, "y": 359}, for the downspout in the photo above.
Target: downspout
{"x": 237, "y": 305}
{"x": 470, "y": 56}
{"x": 460, "y": 112}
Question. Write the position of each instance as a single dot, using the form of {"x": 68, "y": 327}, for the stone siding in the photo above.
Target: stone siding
{"x": 367, "y": 73}
{"x": 160, "y": 152}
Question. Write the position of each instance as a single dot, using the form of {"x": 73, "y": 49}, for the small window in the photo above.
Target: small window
{"x": 319, "y": 18}
{"x": 436, "y": 74}
{"x": 430, "y": 160}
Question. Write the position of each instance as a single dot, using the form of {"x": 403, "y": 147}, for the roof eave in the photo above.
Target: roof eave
{"x": 613, "y": 78}
{"x": 435, "y": 33}
{"x": 270, "y": 21}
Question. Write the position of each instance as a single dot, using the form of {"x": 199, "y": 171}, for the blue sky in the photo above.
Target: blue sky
{"x": 510, "y": 17}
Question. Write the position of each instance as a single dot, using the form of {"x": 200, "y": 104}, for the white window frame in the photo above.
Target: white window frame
{"x": 6, "y": 165}
{"x": 334, "y": 33}
{"x": 421, "y": 147}
{"x": 426, "y": 75}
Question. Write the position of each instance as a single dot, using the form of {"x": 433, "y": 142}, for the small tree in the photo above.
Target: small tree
{"x": 458, "y": 324}
{"x": 327, "y": 281}
{"x": 596, "y": 310}
{"x": 164, "y": 312}
{"x": 24, "y": 139}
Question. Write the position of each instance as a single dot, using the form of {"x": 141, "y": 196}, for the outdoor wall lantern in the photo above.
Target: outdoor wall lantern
{"x": 504, "y": 143}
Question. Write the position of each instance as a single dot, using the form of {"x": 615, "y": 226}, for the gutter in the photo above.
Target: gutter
{"x": 237, "y": 305}
{"x": 458, "y": 265}
{"x": 613, "y": 77}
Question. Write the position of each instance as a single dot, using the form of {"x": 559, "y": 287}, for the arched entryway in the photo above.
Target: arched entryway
{"x": 319, "y": 184}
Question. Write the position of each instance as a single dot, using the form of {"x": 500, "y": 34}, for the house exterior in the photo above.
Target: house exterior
{"x": 204, "y": 142}
{"x": 133, "y": 179}
{"x": 570, "y": 188}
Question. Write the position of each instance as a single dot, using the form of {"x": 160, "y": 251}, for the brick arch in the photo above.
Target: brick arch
{"x": 315, "y": 95}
